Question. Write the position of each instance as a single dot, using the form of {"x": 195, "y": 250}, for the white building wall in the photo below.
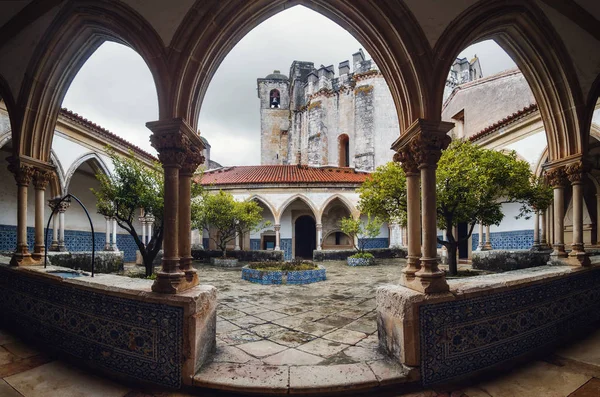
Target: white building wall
{"x": 530, "y": 148}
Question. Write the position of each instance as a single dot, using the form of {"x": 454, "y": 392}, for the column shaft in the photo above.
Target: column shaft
{"x": 481, "y": 242}
{"x": 488, "y": 238}
{"x": 277, "y": 237}
{"x": 575, "y": 173}
{"x": 107, "y": 246}
{"x": 544, "y": 231}
{"x": 23, "y": 176}
{"x": 413, "y": 220}
{"x": 319, "y": 236}
{"x": 114, "y": 235}
{"x": 61, "y": 232}
{"x": 536, "y": 230}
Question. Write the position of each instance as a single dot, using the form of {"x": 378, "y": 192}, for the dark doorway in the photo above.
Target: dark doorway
{"x": 306, "y": 237}
{"x": 463, "y": 246}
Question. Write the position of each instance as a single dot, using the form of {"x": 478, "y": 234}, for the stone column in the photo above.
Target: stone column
{"x": 395, "y": 240}
{"x": 413, "y": 213}
{"x": 150, "y": 225}
{"x": 143, "y": 222}
{"x": 193, "y": 159}
{"x": 277, "y": 237}
{"x": 62, "y": 208}
{"x": 23, "y": 175}
{"x": 488, "y": 238}
{"x": 107, "y": 246}
{"x": 536, "y": 231}
{"x": 481, "y": 243}
{"x": 544, "y": 231}
{"x": 550, "y": 222}
{"x": 170, "y": 139}
{"x": 52, "y": 204}
{"x": 575, "y": 173}
{"x": 319, "y": 236}
{"x": 237, "y": 242}
{"x": 40, "y": 181}
{"x": 114, "y": 235}
{"x": 556, "y": 177}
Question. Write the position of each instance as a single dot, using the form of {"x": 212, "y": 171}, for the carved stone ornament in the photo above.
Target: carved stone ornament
{"x": 556, "y": 177}
{"x": 171, "y": 147}
{"x": 41, "y": 179}
{"x": 407, "y": 160}
{"x": 193, "y": 159}
{"x": 23, "y": 173}
{"x": 62, "y": 207}
{"x": 576, "y": 171}
{"x": 427, "y": 148}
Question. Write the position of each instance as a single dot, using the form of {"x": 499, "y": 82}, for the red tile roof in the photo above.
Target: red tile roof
{"x": 104, "y": 133}
{"x": 507, "y": 120}
{"x": 268, "y": 174}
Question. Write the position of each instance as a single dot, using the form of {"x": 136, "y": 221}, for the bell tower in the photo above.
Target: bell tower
{"x": 273, "y": 92}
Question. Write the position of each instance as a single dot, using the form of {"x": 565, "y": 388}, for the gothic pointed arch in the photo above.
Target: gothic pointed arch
{"x": 95, "y": 161}
{"x": 57, "y": 184}
{"x": 264, "y": 202}
{"x": 301, "y": 197}
{"x": 387, "y": 30}
{"x": 592, "y": 101}
{"x": 345, "y": 202}
{"x": 11, "y": 107}
{"x": 523, "y": 31}
{"x": 79, "y": 29}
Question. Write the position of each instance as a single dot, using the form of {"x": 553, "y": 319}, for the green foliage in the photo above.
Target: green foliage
{"x": 226, "y": 216}
{"x": 383, "y": 194}
{"x": 359, "y": 231}
{"x": 131, "y": 187}
{"x": 539, "y": 196}
{"x": 284, "y": 266}
{"x": 472, "y": 184}
{"x": 362, "y": 255}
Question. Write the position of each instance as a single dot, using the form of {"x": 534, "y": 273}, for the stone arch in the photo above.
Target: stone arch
{"x": 11, "y": 107}
{"x": 5, "y": 138}
{"x": 96, "y": 163}
{"x": 349, "y": 206}
{"x": 301, "y": 197}
{"x": 263, "y": 201}
{"x": 593, "y": 98}
{"x": 390, "y": 33}
{"x": 539, "y": 167}
{"x": 57, "y": 184}
{"x": 79, "y": 29}
{"x": 523, "y": 31}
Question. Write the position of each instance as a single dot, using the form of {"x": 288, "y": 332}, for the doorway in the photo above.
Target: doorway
{"x": 306, "y": 237}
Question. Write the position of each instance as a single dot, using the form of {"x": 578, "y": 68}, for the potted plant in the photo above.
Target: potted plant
{"x": 226, "y": 217}
{"x": 359, "y": 233}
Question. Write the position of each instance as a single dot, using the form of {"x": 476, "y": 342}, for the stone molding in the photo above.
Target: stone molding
{"x": 23, "y": 173}
{"x": 407, "y": 161}
{"x": 41, "y": 179}
{"x": 576, "y": 171}
{"x": 556, "y": 177}
{"x": 426, "y": 148}
{"x": 193, "y": 159}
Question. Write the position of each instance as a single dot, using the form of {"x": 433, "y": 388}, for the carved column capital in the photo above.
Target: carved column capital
{"x": 277, "y": 227}
{"x": 407, "y": 160}
{"x": 41, "y": 179}
{"x": 426, "y": 148}
{"x": 556, "y": 177}
{"x": 576, "y": 171}
{"x": 23, "y": 173}
{"x": 171, "y": 147}
{"x": 62, "y": 207}
{"x": 193, "y": 159}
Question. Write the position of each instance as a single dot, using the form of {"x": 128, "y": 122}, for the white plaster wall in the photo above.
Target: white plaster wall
{"x": 286, "y": 225}
{"x": 75, "y": 218}
{"x": 67, "y": 151}
{"x": 509, "y": 223}
{"x": 530, "y": 148}
{"x": 8, "y": 193}
{"x": 384, "y": 231}
{"x": 267, "y": 217}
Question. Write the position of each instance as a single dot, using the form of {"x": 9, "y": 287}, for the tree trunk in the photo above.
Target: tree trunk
{"x": 452, "y": 248}
{"x": 148, "y": 264}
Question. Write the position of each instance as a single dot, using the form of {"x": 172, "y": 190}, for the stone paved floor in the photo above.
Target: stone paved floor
{"x": 318, "y": 334}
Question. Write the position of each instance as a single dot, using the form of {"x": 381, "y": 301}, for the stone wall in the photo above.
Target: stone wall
{"x": 104, "y": 261}
{"x": 502, "y": 261}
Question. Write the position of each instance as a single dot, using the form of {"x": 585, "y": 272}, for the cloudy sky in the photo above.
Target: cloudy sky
{"x": 115, "y": 89}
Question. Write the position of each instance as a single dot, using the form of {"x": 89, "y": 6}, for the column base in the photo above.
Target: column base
{"x": 38, "y": 252}
{"x": 558, "y": 251}
{"x": 53, "y": 246}
{"x": 108, "y": 247}
{"x": 168, "y": 283}
{"x": 62, "y": 247}
{"x": 487, "y": 247}
{"x": 22, "y": 257}
{"x": 429, "y": 279}
{"x": 578, "y": 258}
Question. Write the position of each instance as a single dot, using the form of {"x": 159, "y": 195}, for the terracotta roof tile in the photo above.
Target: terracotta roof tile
{"x": 103, "y": 132}
{"x": 508, "y": 119}
{"x": 269, "y": 174}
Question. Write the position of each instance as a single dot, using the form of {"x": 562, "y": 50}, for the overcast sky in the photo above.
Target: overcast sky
{"x": 115, "y": 89}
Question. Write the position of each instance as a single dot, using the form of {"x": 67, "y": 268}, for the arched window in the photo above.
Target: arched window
{"x": 274, "y": 99}
{"x": 344, "y": 151}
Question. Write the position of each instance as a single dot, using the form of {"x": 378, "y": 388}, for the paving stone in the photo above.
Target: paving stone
{"x": 266, "y": 330}
{"x": 6, "y": 357}
{"x": 293, "y": 310}
{"x": 7, "y": 390}
{"x": 64, "y": 381}
{"x": 21, "y": 350}
{"x": 353, "y": 313}
{"x": 323, "y": 347}
{"x": 590, "y": 389}
{"x": 6, "y": 337}
{"x": 293, "y": 357}
{"x": 388, "y": 372}
{"x": 252, "y": 310}
{"x": 362, "y": 325}
{"x": 239, "y": 336}
{"x": 336, "y": 321}
{"x": 230, "y": 313}
{"x": 262, "y": 348}
{"x": 346, "y": 336}
{"x": 289, "y": 322}
{"x": 364, "y": 354}
{"x": 232, "y": 354}
{"x": 262, "y": 379}
{"x": 291, "y": 338}
{"x": 247, "y": 321}
{"x": 225, "y": 326}
{"x": 311, "y": 315}
{"x": 370, "y": 342}
{"x": 270, "y": 315}
{"x": 316, "y": 379}
{"x": 315, "y": 328}
{"x": 23, "y": 365}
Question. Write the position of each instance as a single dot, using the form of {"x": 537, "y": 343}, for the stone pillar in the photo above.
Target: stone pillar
{"x": 40, "y": 181}
{"x": 23, "y": 175}
{"x": 143, "y": 222}
{"x": 52, "y": 204}
{"x": 319, "y": 236}
{"x": 481, "y": 243}
{"x": 107, "y": 246}
{"x": 114, "y": 235}
{"x": 550, "y": 222}
{"x": 171, "y": 139}
{"x": 395, "y": 240}
{"x": 237, "y": 242}
{"x": 62, "y": 208}
{"x": 575, "y": 173}
{"x": 277, "y": 237}
{"x": 413, "y": 213}
{"x": 536, "y": 231}
{"x": 488, "y": 239}
{"x": 150, "y": 225}
{"x": 556, "y": 177}
{"x": 193, "y": 159}
{"x": 544, "y": 231}
{"x": 422, "y": 144}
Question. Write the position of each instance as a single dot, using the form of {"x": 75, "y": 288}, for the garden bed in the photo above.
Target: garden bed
{"x": 283, "y": 273}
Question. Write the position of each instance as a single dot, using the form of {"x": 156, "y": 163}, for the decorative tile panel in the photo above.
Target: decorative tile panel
{"x": 463, "y": 336}
{"x": 511, "y": 240}
{"x": 138, "y": 339}
{"x": 255, "y": 244}
{"x": 380, "y": 242}
{"x": 286, "y": 247}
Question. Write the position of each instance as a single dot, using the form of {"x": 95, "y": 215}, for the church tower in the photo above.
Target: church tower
{"x": 273, "y": 92}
